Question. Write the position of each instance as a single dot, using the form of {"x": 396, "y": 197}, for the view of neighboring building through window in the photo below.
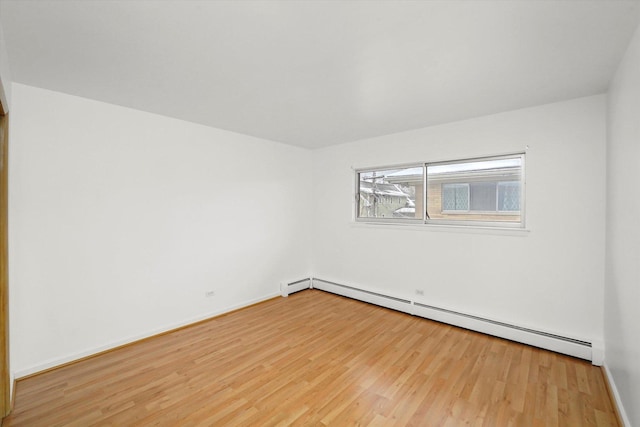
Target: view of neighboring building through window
{"x": 486, "y": 190}
{"x": 455, "y": 197}
{"x": 475, "y": 190}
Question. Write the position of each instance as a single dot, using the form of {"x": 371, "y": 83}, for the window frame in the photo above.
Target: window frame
{"x": 425, "y": 220}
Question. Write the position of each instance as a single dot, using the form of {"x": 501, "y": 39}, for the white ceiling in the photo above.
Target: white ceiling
{"x": 317, "y": 73}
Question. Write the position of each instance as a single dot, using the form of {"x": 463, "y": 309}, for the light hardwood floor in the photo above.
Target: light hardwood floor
{"x": 318, "y": 359}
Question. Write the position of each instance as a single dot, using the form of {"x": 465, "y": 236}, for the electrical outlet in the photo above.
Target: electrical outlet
{"x": 419, "y": 292}
{"x": 209, "y": 294}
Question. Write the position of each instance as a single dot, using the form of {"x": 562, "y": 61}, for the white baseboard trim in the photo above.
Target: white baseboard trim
{"x": 53, "y": 363}
{"x": 608, "y": 377}
{"x": 549, "y": 341}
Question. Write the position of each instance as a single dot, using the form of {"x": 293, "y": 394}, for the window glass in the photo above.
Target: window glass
{"x": 509, "y": 196}
{"x": 483, "y": 196}
{"x": 484, "y": 191}
{"x": 391, "y": 193}
{"x": 455, "y": 197}
{"x": 475, "y": 191}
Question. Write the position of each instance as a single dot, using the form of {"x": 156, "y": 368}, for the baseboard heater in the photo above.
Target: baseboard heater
{"x": 287, "y": 289}
{"x": 376, "y": 298}
{"x": 548, "y": 341}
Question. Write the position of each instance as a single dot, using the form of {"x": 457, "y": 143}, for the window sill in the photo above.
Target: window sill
{"x": 473, "y": 229}
{"x": 480, "y": 213}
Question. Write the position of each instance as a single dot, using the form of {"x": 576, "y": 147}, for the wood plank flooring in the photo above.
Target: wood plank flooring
{"x": 317, "y": 359}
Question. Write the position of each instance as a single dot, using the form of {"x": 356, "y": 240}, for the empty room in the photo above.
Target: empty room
{"x": 336, "y": 212}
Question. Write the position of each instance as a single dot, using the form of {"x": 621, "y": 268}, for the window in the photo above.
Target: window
{"x": 455, "y": 197}
{"x": 484, "y": 191}
{"x": 391, "y": 193}
{"x": 509, "y": 196}
{"x": 481, "y": 197}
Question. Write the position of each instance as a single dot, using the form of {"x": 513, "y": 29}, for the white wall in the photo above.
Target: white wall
{"x": 549, "y": 278}
{"x": 121, "y": 220}
{"x": 622, "y": 290}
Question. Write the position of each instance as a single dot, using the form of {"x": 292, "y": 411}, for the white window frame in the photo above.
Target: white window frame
{"x": 448, "y": 222}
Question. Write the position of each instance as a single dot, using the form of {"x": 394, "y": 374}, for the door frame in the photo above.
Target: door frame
{"x": 5, "y": 392}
